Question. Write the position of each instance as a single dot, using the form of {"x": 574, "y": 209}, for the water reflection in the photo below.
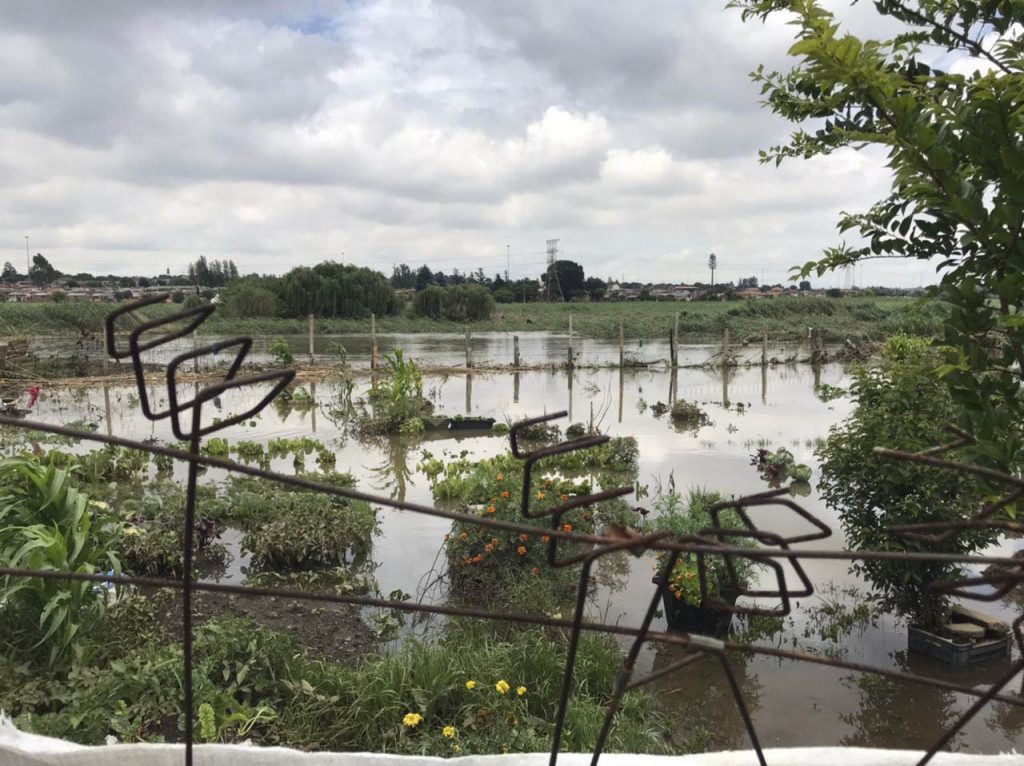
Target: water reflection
{"x": 701, "y": 699}
{"x": 898, "y": 715}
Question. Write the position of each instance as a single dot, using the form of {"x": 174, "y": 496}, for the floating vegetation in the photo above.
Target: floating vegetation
{"x": 688, "y": 416}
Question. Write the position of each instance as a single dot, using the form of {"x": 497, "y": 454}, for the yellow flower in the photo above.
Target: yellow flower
{"x": 502, "y": 686}
{"x": 521, "y": 690}
{"x": 540, "y": 495}
{"x": 448, "y": 731}
{"x": 500, "y": 477}
{"x": 412, "y": 720}
{"x": 471, "y": 685}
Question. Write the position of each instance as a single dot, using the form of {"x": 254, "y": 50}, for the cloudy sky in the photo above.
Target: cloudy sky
{"x": 136, "y": 135}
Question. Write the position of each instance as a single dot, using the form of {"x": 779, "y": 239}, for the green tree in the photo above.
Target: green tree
{"x": 566, "y": 278}
{"x": 10, "y": 274}
{"x": 41, "y": 272}
{"x": 900, "y": 404}
{"x": 595, "y": 287}
{"x": 249, "y": 297}
{"x": 805, "y": 285}
{"x": 457, "y": 303}
{"x": 402, "y": 277}
{"x": 423, "y": 278}
{"x": 953, "y": 143}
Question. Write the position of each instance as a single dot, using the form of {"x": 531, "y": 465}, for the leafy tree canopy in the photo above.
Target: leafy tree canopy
{"x": 954, "y": 146}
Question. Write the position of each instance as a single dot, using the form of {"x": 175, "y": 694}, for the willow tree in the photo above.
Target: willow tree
{"x": 953, "y": 138}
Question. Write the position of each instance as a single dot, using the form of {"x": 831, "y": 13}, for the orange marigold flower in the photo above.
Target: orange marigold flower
{"x": 521, "y": 550}
{"x": 500, "y": 477}
{"x": 545, "y": 538}
{"x": 504, "y": 494}
{"x": 535, "y": 570}
{"x": 567, "y": 527}
{"x": 490, "y": 509}
{"x": 523, "y": 537}
{"x": 489, "y": 547}
{"x": 540, "y": 495}
{"x": 564, "y": 498}
{"x": 463, "y": 536}
{"x": 478, "y": 558}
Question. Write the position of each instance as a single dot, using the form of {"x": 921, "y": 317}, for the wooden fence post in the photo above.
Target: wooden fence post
{"x": 311, "y": 345}
{"x": 469, "y": 350}
{"x": 515, "y": 352}
{"x": 675, "y": 341}
{"x": 622, "y": 347}
{"x": 570, "y": 342}
{"x": 764, "y": 348}
{"x": 373, "y": 341}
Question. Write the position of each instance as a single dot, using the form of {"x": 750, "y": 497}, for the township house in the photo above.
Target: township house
{"x": 617, "y": 292}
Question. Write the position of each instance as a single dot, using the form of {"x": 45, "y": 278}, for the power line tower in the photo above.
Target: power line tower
{"x": 552, "y": 271}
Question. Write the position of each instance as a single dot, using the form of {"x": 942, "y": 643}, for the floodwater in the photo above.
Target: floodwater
{"x": 791, "y": 703}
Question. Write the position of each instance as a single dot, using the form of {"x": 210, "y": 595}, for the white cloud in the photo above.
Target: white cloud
{"x": 136, "y": 136}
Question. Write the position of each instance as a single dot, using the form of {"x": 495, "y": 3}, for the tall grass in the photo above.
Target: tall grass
{"x": 856, "y": 318}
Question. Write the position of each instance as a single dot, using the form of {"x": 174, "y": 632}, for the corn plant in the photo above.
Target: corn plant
{"x": 47, "y": 523}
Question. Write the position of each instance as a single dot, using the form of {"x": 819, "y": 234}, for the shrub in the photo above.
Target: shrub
{"x": 688, "y": 416}
{"x": 900, "y": 404}
{"x": 281, "y": 352}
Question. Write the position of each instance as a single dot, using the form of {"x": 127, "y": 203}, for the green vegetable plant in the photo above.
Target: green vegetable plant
{"x": 689, "y": 515}
{"x": 47, "y": 523}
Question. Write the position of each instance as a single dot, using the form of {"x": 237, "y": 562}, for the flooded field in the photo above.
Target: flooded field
{"x": 791, "y": 703}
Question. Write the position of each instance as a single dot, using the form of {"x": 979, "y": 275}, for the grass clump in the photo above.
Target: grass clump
{"x": 477, "y": 689}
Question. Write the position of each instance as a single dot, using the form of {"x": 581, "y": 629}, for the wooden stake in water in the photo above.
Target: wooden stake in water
{"x": 106, "y": 405}
{"x": 622, "y": 347}
{"x": 725, "y": 348}
{"x": 469, "y": 350}
{"x": 373, "y": 341}
{"x": 764, "y": 349}
{"x": 311, "y": 345}
{"x": 515, "y": 352}
{"x": 672, "y": 358}
{"x": 675, "y": 341}
{"x": 570, "y": 341}
{"x": 312, "y": 412}
{"x": 195, "y": 344}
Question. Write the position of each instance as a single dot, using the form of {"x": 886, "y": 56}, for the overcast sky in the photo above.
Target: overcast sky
{"x": 136, "y": 135}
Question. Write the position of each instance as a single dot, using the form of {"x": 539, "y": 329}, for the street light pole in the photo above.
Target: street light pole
{"x": 28, "y": 262}
{"x": 508, "y": 259}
